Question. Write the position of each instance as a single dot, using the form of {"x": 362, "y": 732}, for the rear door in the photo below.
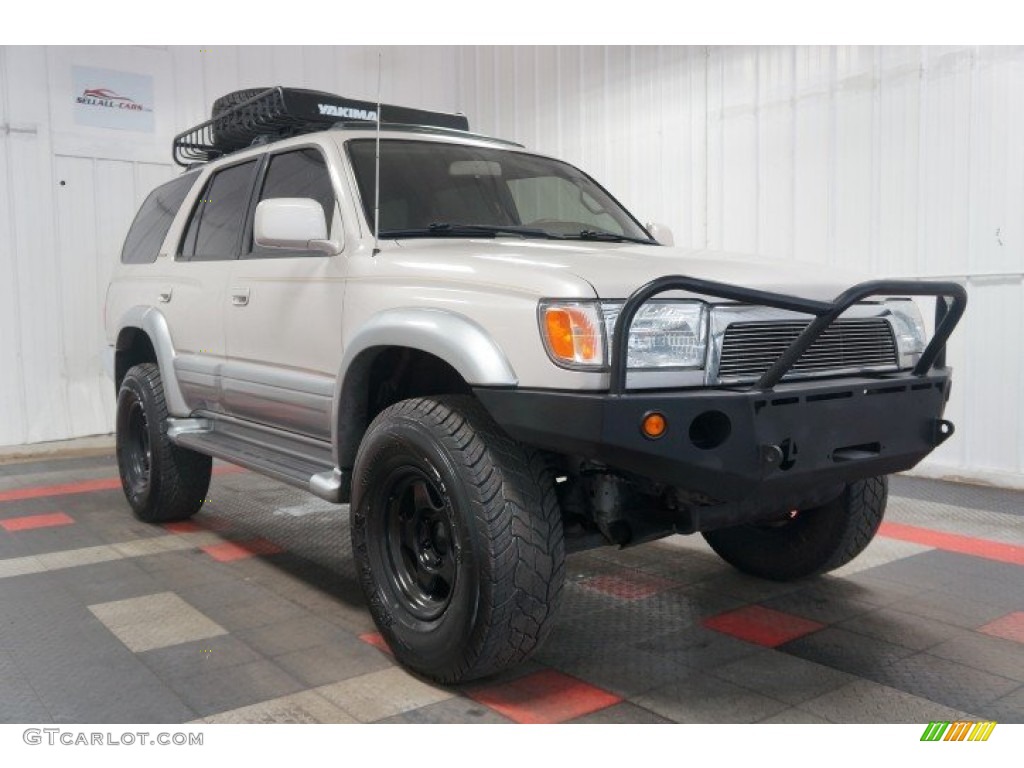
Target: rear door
{"x": 283, "y": 322}
{"x": 193, "y": 297}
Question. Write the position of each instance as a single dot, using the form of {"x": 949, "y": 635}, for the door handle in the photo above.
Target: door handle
{"x": 165, "y": 294}
{"x": 240, "y": 297}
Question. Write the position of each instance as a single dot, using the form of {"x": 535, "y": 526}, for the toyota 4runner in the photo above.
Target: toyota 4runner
{"x": 495, "y": 363}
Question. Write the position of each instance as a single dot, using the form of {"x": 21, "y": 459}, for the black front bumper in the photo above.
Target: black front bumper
{"x": 782, "y": 443}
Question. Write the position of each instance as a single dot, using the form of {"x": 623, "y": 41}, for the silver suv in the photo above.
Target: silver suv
{"x": 495, "y": 363}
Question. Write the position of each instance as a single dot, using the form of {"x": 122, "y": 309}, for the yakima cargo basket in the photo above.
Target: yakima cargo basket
{"x": 243, "y": 117}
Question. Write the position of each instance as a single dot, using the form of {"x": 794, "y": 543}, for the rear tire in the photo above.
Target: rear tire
{"x": 815, "y": 541}
{"x": 161, "y": 481}
{"x": 457, "y": 535}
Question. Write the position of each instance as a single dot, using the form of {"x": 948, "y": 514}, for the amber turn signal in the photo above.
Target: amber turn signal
{"x": 572, "y": 335}
{"x": 654, "y": 425}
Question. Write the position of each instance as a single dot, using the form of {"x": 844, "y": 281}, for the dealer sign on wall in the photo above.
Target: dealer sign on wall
{"x": 105, "y": 98}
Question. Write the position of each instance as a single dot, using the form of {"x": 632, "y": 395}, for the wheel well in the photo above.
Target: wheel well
{"x": 133, "y": 348}
{"x": 382, "y": 376}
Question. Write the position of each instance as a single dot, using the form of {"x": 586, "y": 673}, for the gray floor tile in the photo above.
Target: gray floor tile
{"x": 257, "y": 613}
{"x": 198, "y": 657}
{"x": 846, "y": 651}
{"x": 106, "y": 582}
{"x": 458, "y": 710}
{"x": 338, "y": 660}
{"x": 626, "y": 672}
{"x": 1006, "y": 709}
{"x": 295, "y": 634}
{"x": 820, "y": 604}
{"x": 794, "y": 716}
{"x": 699, "y": 648}
{"x": 942, "y": 681}
{"x": 624, "y": 712}
{"x": 155, "y": 621}
{"x": 902, "y": 629}
{"x": 783, "y": 677}
{"x": 226, "y": 688}
{"x": 864, "y": 701}
{"x": 304, "y": 707}
{"x": 382, "y": 694}
{"x": 984, "y": 652}
{"x": 700, "y": 698}
{"x": 936, "y": 604}
{"x": 19, "y": 703}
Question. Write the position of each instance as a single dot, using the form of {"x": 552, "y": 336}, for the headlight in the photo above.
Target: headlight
{"x": 908, "y": 326}
{"x": 664, "y": 334}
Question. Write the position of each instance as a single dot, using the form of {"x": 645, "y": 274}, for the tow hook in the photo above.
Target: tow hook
{"x": 942, "y": 430}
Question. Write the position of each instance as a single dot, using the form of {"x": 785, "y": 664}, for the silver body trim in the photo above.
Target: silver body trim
{"x": 299, "y": 401}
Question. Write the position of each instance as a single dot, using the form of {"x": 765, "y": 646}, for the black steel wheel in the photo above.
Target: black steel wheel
{"x": 807, "y": 542}
{"x": 138, "y": 457}
{"x": 457, "y": 534}
{"x": 422, "y": 554}
{"x": 161, "y": 481}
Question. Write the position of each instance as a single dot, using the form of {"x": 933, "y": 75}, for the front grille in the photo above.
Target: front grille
{"x": 748, "y": 349}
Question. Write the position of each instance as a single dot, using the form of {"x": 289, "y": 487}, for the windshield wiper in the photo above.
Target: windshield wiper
{"x": 446, "y": 229}
{"x": 609, "y": 237}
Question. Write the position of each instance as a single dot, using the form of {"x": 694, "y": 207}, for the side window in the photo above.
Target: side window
{"x": 302, "y": 173}
{"x": 214, "y": 231}
{"x": 154, "y": 218}
{"x": 541, "y": 198}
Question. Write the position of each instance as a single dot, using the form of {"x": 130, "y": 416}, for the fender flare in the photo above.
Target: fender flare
{"x": 454, "y": 338}
{"x": 152, "y": 321}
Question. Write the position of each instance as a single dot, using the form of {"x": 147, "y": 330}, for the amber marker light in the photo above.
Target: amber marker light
{"x": 572, "y": 336}
{"x": 654, "y": 425}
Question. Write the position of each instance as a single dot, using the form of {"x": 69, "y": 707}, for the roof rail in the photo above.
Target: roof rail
{"x": 431, "y": 129}
{"x": 242, "y": 117}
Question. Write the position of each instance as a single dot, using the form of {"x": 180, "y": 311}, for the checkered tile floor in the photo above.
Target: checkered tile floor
{"x": 252, "y": 613}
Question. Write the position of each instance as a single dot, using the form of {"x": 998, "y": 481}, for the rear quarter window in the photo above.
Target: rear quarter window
{"x": 154, "y": 218}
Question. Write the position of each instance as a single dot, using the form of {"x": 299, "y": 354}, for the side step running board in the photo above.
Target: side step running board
{"x": 290, "y": 459}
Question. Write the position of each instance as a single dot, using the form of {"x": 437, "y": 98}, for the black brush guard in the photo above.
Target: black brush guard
{"x": 946, "y": 317}
{"x": 751, "y": 451}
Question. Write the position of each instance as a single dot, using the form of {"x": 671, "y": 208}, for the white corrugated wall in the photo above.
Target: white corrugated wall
{"x": 897, "y": 161}
{"x": 68, "y": 194}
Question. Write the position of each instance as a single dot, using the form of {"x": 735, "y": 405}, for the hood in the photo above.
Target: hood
{"x": 559, "y": 269}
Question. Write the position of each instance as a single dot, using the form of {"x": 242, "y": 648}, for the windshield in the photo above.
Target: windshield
{"x": 434, "y": 189}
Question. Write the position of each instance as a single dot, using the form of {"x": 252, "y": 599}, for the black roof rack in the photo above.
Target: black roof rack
{"x": 269, "y": 114}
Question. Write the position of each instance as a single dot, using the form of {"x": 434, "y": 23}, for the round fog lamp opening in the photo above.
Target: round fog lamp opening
{"x": 654, "y": 425}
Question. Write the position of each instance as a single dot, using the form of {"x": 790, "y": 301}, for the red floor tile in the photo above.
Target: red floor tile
{"x": 1009, "y": 627}
{"x": 376, "y": 639}
{"x": 631, "y": 587}
{"x": 197, "y": 526}
{"x": 229, "y": 551}
{"x": 184, "y": 526}
{"x": 29, "y": 522}
{"x": 954, "y": 542}
{"x": 764, "y": 626}
{"x": 87, "y": 486}
{"x": 547, "y": 696}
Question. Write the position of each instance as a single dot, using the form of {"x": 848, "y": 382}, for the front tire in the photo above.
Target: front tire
{"x": 813, "y": 542}
{"x": 162, "y": 482}
{"x": 457, "y": 535}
